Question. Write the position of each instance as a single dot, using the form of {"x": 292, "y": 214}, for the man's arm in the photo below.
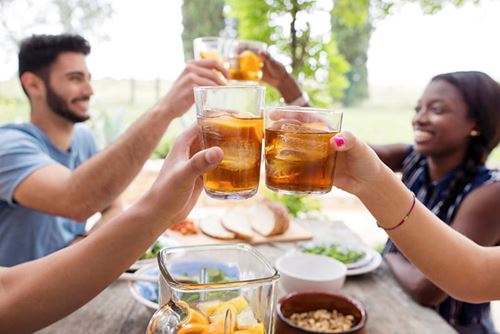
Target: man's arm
{"x": 106, "y": 215}
{"x": 37, "y": 293}
{"x": 96, "y": 183}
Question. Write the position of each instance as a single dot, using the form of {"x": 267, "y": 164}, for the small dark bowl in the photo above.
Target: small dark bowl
{"x": 311, "y": 301}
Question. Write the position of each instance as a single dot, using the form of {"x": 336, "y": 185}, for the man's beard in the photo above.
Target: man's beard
{"x": 60, "y": 107}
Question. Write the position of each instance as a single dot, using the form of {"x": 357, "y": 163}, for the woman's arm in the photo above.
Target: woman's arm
{"x": 276, "y": 75}
{"x": 37, "y": 293}
{"x": 458, "y": 265}
{"x": 476, "y": 219}
{"x": 449, "y": 259}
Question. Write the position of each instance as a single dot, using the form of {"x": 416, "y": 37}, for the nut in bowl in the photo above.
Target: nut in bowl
{"x": 319, "y": 312}
{"x": 310, "y": 272}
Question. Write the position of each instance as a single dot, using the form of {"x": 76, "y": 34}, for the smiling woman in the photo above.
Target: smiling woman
{"x": 456, "y": 126}
{"x": 442, "y": 122}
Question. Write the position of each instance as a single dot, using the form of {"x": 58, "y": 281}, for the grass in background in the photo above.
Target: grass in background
{"x": 385, "y": 118}
{"x": 13, "y": 103}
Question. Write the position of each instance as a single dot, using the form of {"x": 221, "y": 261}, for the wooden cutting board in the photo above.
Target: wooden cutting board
{"x": 294, "y": 233}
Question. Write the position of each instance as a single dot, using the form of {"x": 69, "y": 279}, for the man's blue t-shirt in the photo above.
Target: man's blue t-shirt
{"x": 27, "y": 234}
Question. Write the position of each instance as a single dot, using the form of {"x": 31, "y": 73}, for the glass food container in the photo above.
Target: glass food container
{"x": 215, "y": 289}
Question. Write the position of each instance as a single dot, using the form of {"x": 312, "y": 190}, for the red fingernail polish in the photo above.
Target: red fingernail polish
{"x": 339, "y": 141}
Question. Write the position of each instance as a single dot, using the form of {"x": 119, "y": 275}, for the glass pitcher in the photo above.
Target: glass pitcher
{"x": 215, "y": 289}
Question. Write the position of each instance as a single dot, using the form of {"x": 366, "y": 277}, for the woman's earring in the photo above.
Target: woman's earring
{"x": 474, "y": 133}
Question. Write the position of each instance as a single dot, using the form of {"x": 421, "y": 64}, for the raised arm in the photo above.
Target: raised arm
{"x": 276, "y": 75}
{"x": 476, "y": 219}
{"x": 92, "y": 186}
{"x": 455, "y": 263}
{"x": 37, "y": 293}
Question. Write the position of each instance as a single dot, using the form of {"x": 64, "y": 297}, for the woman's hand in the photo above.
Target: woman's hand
{"x": 179, "y": 183}
{"x": 275, "y": 74}
{"x": 358, "y": 168}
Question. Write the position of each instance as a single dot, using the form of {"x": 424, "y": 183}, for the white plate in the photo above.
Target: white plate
{"x": 363, "y": 261}
{"x": 145, "y": 292}
{"x": 371, "y": 266}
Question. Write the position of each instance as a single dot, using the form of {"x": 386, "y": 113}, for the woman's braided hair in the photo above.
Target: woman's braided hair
{"x": 482, "y": 95}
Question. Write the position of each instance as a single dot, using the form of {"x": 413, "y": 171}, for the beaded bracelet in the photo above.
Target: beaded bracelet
{"x": 405, "y": 218}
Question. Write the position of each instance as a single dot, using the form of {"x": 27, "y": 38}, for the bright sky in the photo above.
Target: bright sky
{"x": 406, "y": 49}
{"x": 409, "y": 48}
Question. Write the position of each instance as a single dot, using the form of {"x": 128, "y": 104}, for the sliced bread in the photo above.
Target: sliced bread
{"x": 269, "y": 218}
{"x": 237, "y": 220}
{"x": 212, "y": 226}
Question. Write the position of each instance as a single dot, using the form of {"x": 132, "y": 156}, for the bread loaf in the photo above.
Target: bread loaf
{"x": 269, "y": 218}
{"x": 237, "y": 220}
{"x": 212, "y": 226}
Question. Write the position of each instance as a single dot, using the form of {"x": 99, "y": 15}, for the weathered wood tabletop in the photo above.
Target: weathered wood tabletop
{"x": 388, "y": 307}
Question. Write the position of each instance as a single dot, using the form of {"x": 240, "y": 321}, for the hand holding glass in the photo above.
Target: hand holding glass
{"x": 208, "y": 48}
{"x": 231, "y": 117}
{"x": 299, "y": 157}
{"x": 243, "y": 61}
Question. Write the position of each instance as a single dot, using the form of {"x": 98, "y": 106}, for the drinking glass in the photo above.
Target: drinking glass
{"x": 243, "y": 61}
{"x": 231, "y": 117}
{"x": 298, "y": 156}
{"x": 208, "y": 48}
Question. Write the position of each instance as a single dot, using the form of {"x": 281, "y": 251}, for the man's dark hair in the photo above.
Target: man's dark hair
{"x": 38, "y": 52}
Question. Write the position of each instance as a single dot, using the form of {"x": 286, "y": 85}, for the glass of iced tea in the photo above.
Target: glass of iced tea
{"x": 208, "y": 48}
{"x": 231, "y": 117}
{"x": 298, "y": 154}
{"x": 243, "y": 61}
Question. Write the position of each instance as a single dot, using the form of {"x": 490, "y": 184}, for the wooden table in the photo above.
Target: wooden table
{"x": 388, "y": 307}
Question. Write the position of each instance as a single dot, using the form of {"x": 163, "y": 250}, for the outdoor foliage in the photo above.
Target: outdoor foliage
{"x": 331, "y": 67}
{"x": 382, "y": 8}
{"x": 19, "y": 18}
{"x": 161, "y": 151}
{"x": 352, "y": 28}
{"x": 107, "y": 125}
{"x": 295, "y": 204}
{"x": 200, "y": 18}
{"x": 313, "y": 60}
{"x": 22, "y": 18}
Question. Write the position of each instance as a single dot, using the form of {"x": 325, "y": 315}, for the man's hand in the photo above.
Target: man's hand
{"x": 205, "y": 72}
{"x": 179, "y": 183}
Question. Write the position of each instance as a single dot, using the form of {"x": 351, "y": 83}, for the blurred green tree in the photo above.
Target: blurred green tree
{"x": 352, "y": 28}
{"x": 353, "y": 35}
{"x": 19, "y": 17}
{"x": 331, "y": 67}
{"x": 313, "y": 60}
{"x": 200, "y": 18}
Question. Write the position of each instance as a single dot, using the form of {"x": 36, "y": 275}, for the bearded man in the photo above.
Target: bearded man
{"x": 52, "y": 178}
